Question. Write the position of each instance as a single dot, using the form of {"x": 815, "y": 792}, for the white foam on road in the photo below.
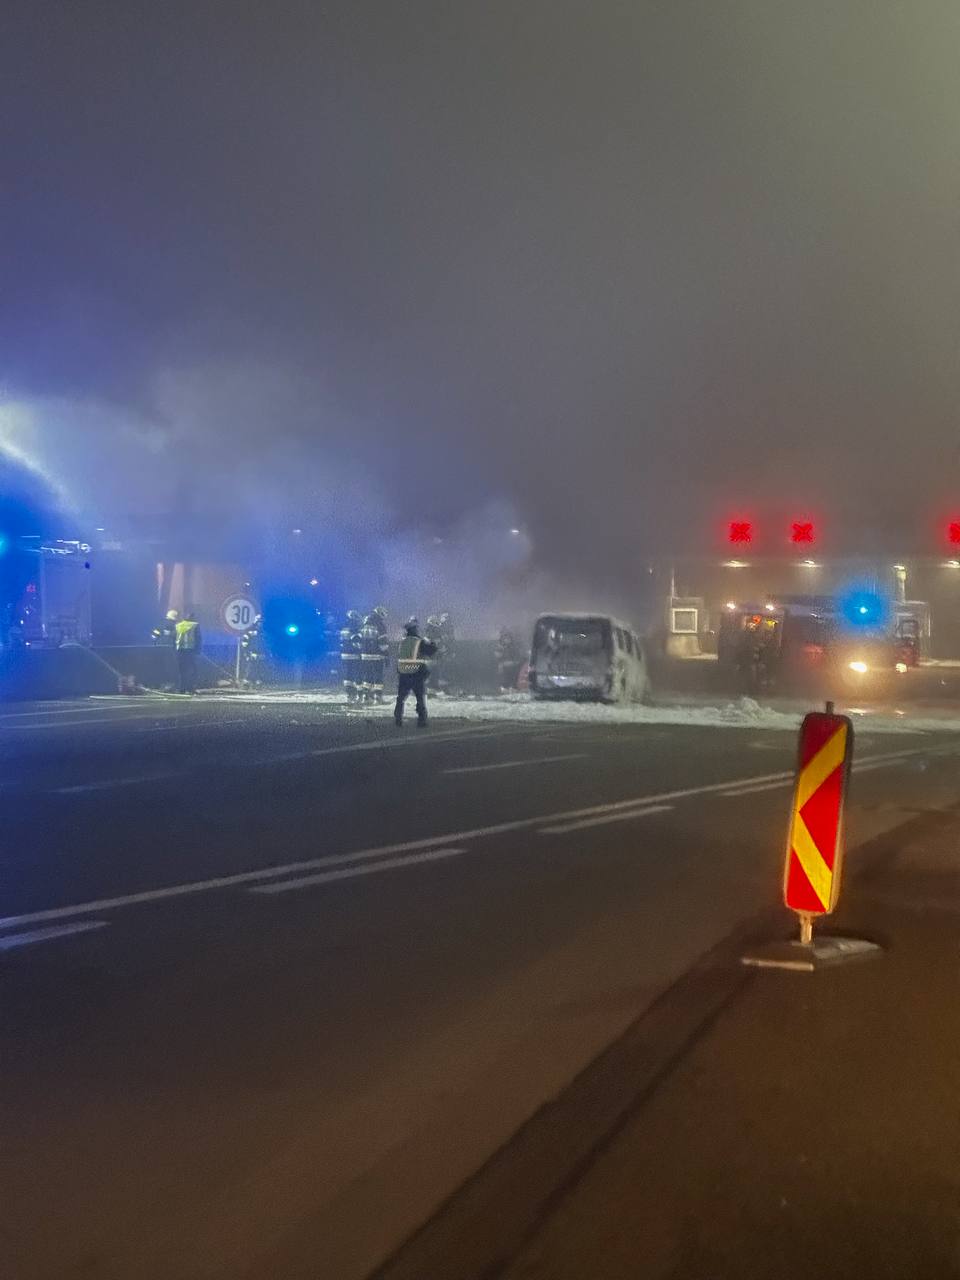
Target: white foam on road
{"x": 519, "y": 708}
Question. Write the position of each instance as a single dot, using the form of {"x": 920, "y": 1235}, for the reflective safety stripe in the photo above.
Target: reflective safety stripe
{"x": 829, "y": 757}
{"x": 409, "y": 661}
{"x": 812, "y": 861}
{"x": 816, "y": 828}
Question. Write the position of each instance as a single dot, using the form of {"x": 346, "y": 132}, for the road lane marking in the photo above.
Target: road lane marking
{"x": 515, "y": 764}
{"x": 350, "y": 873}
{"x": 767, "y": 786}
{"x": 883, "y": 761}
{"x": 286, "y": 758}
{"x": 447, "y": 839}
{"x": 180, "y": 723}
{"x": 624, "y": 815}
{"x": 108, "y": 784}
{"x": 10, "y": 940}
{"x": 83, "y": 709}
{"x": 77, "y": 724}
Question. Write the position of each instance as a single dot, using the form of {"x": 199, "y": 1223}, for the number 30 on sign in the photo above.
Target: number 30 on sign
{"x": 239, "y": 614}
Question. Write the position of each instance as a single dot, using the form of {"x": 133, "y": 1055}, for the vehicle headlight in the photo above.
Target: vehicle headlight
{"x": 861, "y": 668}
{"x": 901, "y": 667}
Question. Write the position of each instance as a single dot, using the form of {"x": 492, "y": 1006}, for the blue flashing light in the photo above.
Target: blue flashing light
{"x": 865, "y": 610}
{"x": 292, "y": 629}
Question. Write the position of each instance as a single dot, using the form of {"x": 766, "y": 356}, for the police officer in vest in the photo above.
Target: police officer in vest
{"x": 412, "y": 671}
{"x": 189, "y": 643}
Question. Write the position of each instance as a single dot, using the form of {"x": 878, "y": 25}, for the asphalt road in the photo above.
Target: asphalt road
{"x": 276, "y": 980}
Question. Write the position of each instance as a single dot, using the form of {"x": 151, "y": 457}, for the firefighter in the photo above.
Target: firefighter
{"x": 509, "y": 660}
{"x": 251, "y": 655}
{"x": 189, "y": 645}
{"x": 445, "y": 639}
{"x": 379, "y": 617}
{"x": 373, "y": 655}
{"x": 412, "y": 672}
{"x": 350, "y": 656}
{"x": 165, "y": 636}
{"x": 433, "y": 631}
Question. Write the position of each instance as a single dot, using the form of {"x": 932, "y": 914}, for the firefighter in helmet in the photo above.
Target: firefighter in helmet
{"x": 374, "y": 647}
{"x": 509, "y": 659}
{"x": 350, "y": 661}
{"x": 165, "y": 635}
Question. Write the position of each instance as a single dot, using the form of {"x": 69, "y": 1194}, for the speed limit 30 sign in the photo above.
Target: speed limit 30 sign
{"x": 239, "y": 613}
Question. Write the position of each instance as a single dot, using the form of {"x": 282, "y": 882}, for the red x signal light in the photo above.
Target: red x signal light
{"x": 740, "y": 531}
{"x": 802, "y": 531}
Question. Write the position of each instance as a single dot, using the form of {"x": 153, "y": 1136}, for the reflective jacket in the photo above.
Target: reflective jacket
{"x": 412, "y": 654}
{"x": 372, "y": 647}
{"x": 349, "y": 644}
{"x": 188, "y": 636}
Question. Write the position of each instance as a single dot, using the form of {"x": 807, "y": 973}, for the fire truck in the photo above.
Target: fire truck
{"x": 852, "y": 643}
{"x": 46, "y": 594}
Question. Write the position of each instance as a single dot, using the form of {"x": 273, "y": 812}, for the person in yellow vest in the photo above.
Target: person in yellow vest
{"x": 412, "y": 671}
{"x": 189, "y": 643}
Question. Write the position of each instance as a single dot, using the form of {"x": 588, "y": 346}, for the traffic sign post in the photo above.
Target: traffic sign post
{"x": 239, "y": 614}
{"x": 813, "y": 865}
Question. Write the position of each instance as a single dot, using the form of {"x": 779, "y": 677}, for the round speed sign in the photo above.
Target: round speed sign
{"x": 239, "y": 613}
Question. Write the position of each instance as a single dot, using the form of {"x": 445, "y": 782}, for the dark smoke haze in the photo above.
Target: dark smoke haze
{"x": 426, "y": 272}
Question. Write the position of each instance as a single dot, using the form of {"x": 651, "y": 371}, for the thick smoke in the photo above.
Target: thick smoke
{"x": 261, "y": 451}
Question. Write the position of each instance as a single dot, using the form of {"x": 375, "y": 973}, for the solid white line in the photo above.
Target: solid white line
{"x": 110, "y": 783}
{"x": 449, "y": 838}
{"x": 350, "y": 873}
{"x": 767, "y": 786}
{"x": 625, "y": 815}
{"x": 883, "y": 761}
{"x": 68, "y": 711}
{"x": 515, "y": 764}
{"x": 10, "y": 940}
{"x": 78, "y": 724}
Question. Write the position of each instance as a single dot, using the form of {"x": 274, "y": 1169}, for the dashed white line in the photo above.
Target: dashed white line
{"x": 515, "y": 764}
{"x": 624, "y": 815}
{"x": 350, "y": 873}
{"x": 10, "y": 940}
{"x": 286, "y": 758}
{"x": 638, "y": 806}
{"x": 181, "y": 722}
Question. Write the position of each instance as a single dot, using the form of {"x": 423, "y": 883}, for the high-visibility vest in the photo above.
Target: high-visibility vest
{"x": 409, "y": 661}
{"x": 188, "y": 634}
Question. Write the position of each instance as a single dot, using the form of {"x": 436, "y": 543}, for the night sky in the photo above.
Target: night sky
{"x": 604, "y": 270}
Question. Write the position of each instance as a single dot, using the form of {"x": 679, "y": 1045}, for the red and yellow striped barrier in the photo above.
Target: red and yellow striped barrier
{"x": 814, "y": 861}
